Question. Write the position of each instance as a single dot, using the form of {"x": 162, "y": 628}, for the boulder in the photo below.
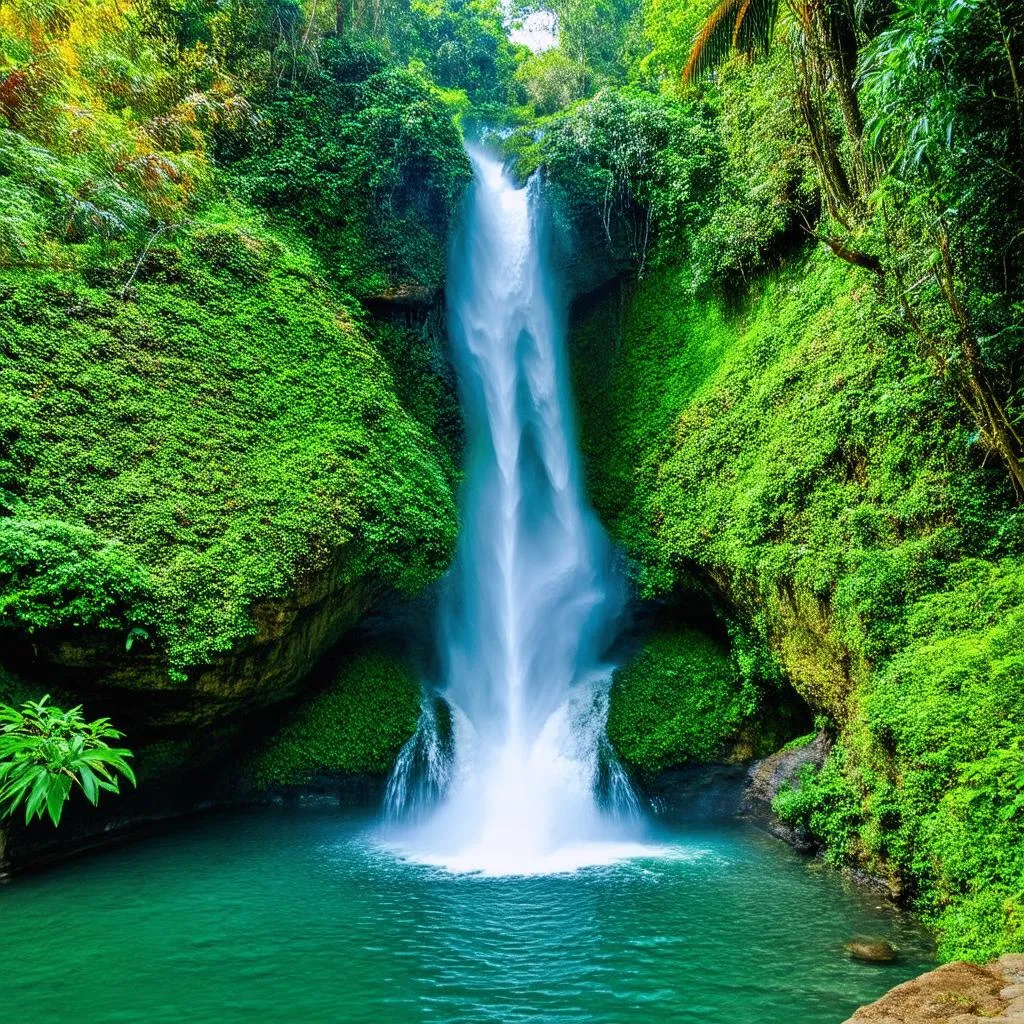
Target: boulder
{"x": 957, "y": 993}
{"x": 766, "y": 777}
{"x": 872, "y": 951}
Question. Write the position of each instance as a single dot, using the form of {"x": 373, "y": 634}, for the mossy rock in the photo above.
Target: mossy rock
{"x": 794, "y": 453}
{"x": 175, "y": 458}
{"x": 355, "y": 726}
{"x": 680, "y": 699}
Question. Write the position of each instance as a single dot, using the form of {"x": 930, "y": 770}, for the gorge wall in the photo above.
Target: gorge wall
{"x": 782, "y": 457}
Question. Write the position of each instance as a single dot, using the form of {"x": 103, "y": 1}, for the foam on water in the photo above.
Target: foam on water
{"x": 526, "y": 783}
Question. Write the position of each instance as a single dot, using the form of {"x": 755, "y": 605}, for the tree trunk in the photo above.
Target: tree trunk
{"x": 835, "y": 182}
{"x": 831, "y": 25}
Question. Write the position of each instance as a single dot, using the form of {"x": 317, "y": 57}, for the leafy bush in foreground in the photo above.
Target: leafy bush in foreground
{"x": 44, "y": 752}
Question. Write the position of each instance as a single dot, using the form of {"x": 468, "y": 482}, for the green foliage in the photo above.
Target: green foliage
{"x": 669, "y": 28}
{"x": 464, "y": 45}
{"x": 952, "y": 154}
{"x": 800, "y": 742}
{"x": 768, "y": 186}
{"x": 44, "y": 752}
{"x": 366, "y": 159}
{"x": 734, "y": 25}
{"x": 355, "y": 726}
{"x": 824, "y": 805}
{"x": 597, "y": 36}
{"x": 53, "y": 574}
{"x": 624, "y": 161}
{"x": 679, "y": 699}
{"x": 174, "y": 459}
{"x": 795, "y": 451}
{"x": 711, "y": 188}
{"x": 646, "y": 358}
{"x": 549, "y": 81}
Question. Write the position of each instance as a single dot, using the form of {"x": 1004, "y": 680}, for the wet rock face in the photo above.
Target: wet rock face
{"x": 143, "y": 698}
{"x": 764, "y": 780}
{"x": 957, "y": 993}
{"x": 182, "y": 732}
{"x": 697, "y": 792}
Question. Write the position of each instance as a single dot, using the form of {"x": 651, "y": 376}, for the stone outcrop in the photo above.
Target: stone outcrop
{"x": 408, "y": 304}
{"x": 291, "y": 634}
{"x": 181, "y": 730}
{"x": 957, "y": 993}
{"x": 764, "y": 780}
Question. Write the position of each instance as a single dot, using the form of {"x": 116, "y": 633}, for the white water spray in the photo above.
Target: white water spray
{"x": 528, "y": 782}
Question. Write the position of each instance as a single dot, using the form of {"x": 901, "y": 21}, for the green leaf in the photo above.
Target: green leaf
{"x": 56, "y": 794}
{"x": 90, "y": 784}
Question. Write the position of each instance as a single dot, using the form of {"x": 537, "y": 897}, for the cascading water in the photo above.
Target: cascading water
{"x": 521, "y": 779}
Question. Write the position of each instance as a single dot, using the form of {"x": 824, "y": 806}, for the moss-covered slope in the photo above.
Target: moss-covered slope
{"x": 356, "y": 725}
{"x": 680, "y": 699}
{"x": 795, "y": 456}
{"x": 175, "y": 454}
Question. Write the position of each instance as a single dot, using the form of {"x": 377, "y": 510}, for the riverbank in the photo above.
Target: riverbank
{"x": 956, "y": 993}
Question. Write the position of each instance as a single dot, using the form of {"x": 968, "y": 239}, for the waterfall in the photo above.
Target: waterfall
{"x": 524, "y": 780}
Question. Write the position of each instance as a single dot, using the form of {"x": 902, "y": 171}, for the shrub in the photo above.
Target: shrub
{"x": 355, "y": 726}
{"x": 679, "y": 699}
{"x": 44, "y": 752}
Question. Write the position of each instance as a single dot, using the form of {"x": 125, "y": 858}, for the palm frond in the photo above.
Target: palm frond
{"x": 743, "y": 25}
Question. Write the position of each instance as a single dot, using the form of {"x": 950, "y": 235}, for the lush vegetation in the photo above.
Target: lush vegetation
{"x": 799, "y": 364}
{"x": 764, "y": 449}
{"x": 203, "y": 208}
{"x": 198, "y": 414}
{"x": 45, "y": 752}
{"x": 803, "y": 391}
{"x": 354, "y": 726}
{"x": 680, "y": 699}
{"x": 195, "y": 450}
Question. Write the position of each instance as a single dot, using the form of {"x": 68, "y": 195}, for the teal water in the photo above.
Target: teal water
{"x": 299, "y": 916}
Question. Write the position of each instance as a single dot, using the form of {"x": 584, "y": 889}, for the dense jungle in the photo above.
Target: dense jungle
{"x": 235, "y": 428}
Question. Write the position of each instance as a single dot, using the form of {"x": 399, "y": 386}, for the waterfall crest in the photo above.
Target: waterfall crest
{"x": 524, "y": 781}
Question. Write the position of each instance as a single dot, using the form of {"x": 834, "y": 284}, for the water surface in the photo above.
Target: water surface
{"x": 301, "y": 916}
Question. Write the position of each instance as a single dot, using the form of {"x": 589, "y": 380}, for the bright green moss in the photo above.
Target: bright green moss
{"x": 679, "y": 699}
{"x": 798, "y": 452}
{"x": 928, "y": 788}
{"x": 644, "y": 341}
{"x": 221, "y": 432}
{"x": 356, "y": 726}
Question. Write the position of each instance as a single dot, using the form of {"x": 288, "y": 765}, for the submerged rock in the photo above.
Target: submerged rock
{"x": 872, "y": 951}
